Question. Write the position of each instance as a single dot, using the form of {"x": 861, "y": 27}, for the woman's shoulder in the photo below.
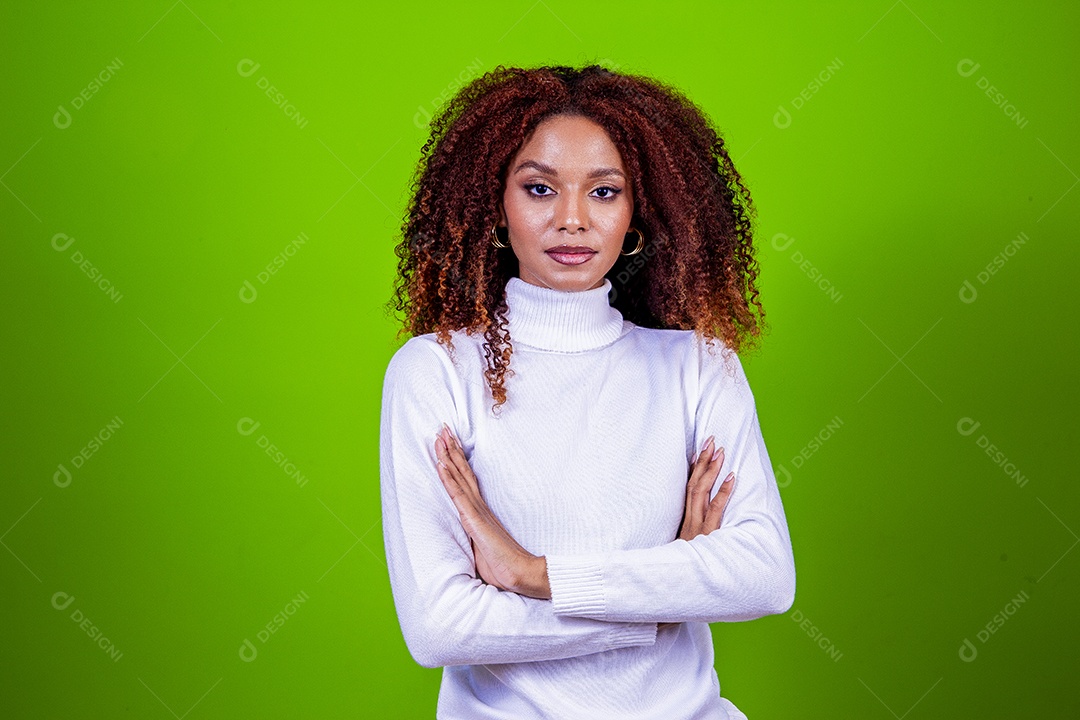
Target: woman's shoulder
{"x": 712, "y": 360}
{"x": 687, "y": 344}
{"x": 426, "y": 355}
{"x": 660, "y": 337}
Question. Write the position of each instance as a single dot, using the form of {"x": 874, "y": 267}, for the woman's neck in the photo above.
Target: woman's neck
{"x": 561, "y": 321}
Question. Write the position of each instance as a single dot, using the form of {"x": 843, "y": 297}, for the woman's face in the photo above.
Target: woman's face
{"x": 567, "y": 186}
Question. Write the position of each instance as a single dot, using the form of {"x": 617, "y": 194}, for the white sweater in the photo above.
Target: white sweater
{"x": 587, "y": 465}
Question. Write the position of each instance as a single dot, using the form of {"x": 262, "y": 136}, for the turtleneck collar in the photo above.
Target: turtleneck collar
{"x": 561, "y": 321}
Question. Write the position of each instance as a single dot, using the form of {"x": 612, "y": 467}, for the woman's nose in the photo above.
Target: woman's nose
{"x": 573, "y": 212}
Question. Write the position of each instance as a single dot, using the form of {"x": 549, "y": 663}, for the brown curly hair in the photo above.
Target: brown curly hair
{"x": 699, "y": 272}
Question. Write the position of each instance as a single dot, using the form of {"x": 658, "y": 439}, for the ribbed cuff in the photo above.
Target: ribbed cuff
{"x": 577, "y": 585}
{"x": 630, "y": 634}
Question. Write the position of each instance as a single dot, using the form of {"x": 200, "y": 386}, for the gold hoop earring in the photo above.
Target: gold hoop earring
{"x": 640, "y": 242}
{"x": 495, "y": 237}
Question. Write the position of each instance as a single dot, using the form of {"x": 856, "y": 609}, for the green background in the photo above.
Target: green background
{"x": 180, "y": 180}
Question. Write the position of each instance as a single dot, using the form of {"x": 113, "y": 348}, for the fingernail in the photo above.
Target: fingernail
{"x": 717, "y": 453}
{"x": 729, "y": 478}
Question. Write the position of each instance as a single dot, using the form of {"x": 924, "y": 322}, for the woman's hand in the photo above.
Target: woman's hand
{"x": 500, "y": 560}
{"x": 701, "y": 516}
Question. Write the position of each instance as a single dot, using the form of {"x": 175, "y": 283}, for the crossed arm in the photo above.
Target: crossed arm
{"x": 565, "y": 605}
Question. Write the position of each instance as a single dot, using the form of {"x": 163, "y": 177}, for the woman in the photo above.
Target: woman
{"x": 544, "y": 544}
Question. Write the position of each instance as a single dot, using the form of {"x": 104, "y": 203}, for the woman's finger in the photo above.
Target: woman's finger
{"x": 455, "y": 455}
{"x": 701, "y": 482}
{"x": 458, "y": 468}
{"x": 688, "y": 526}
{"x": 496, "y": 553}
{"x": 463, "y": 481}
{"x": 707, "y": 468}
{"x": 699, "y": 478}
{"x": 500, "y": 560}
{"x": 476, "y": 519}
{"x": 463, "y": 493}
{"x": 715, "y": 514}
{"x": 450, "y": 478}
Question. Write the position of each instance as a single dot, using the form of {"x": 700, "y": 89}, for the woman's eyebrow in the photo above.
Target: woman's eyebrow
{"x": 548, "y": 170}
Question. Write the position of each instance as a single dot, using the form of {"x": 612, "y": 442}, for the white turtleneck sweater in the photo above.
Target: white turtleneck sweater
{"x": 587, "y": 465}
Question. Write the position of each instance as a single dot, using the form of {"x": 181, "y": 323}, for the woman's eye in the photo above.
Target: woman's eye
{"x": 535, "y": 186}
{"x": 541, "y": 190}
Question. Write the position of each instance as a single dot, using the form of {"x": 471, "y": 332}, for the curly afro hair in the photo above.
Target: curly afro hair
{"x": 697, "y": 272}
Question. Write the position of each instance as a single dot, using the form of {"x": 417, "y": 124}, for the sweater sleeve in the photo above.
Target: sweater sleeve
{"x": 448, "y": 615}
{"x": 743, "y": 570}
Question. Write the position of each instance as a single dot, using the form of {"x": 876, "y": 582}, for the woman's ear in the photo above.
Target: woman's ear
{"x": 502, "y": 216}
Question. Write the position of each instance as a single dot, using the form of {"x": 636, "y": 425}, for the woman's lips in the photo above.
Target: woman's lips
{"x": 570, "y": 258}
